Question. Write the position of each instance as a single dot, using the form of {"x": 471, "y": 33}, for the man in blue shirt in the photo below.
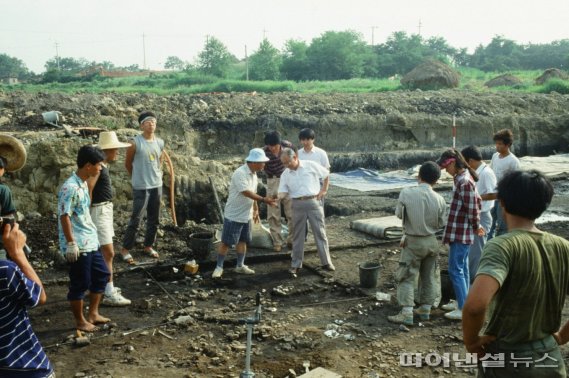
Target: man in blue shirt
{"x": 79, "y": 242}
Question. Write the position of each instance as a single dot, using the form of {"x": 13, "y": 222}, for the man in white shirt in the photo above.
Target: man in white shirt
{"x": 502, "y": 162}
{"x": 301, "y": 181}
{"x": 310, "y": 152}
{"x": 240, "y": 209}
{"x": 486, "y": 186}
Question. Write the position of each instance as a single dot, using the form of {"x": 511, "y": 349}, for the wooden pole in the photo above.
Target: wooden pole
{"x": 453, "y": 132}
{"x": 219, "y": 208}
{"x": 172, "y": 192}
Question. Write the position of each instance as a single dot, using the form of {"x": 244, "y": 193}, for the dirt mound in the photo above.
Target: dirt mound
{"x": 551, "y": 73}
{"x": 505, "y": 80}
{"x": 431, "y": 74}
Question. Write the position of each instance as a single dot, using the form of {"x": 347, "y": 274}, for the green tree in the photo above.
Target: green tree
{"x": 264, "y": 64}
{"x": 294, "y": 60}
{"x": 438, "y": 48}
{"x": 337, "y": 56}
{"x": 12, "y": 67}
{"x": 67, "y": 64}
{"x": 174, "y": 63}
{"x": 215, "y": 59}
{"x": 500, "y": 54}
{"x": 400, "y": 53}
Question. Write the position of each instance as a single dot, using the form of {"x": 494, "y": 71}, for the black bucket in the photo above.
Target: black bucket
{"x": 369, "y": 274}
{"x": 447, "y": 289}
{"x": 200, "y": 244}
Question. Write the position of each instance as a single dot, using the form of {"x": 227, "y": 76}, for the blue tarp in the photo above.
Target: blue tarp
{"x": 366, "y": 180}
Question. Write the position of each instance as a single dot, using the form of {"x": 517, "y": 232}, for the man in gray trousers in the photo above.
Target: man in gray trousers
{"x": 301, "y": 181}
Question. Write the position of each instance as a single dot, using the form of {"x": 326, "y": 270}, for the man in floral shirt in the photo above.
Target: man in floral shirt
{"x": 79, "y": 243}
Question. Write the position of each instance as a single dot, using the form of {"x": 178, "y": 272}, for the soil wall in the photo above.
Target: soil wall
{"x": 207, "y": 135}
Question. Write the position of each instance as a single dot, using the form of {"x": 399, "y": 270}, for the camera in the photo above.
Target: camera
{"x": 10, "y": 221}
{"x": 5, "y": 221}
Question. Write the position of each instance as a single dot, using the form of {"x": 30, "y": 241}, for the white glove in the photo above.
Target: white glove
{"x": 72, "y": 252}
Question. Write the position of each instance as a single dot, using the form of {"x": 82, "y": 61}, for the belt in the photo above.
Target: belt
{"x": 547, "y": 342}
{"x": 272, "y": 176}
{"x": 100, "y": 204}
{"x": 304, "y": 198}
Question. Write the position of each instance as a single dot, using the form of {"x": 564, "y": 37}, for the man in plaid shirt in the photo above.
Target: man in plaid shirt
{"x": 463, "y": 223}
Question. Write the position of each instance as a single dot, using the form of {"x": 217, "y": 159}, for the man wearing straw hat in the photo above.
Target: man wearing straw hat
{"x": 12, "y": 158}
{"x": 101, "y": 192}
{"x": 20, "y": 285}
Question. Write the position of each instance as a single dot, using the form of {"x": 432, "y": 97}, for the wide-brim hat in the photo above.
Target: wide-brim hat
{"x": 109, "y": 140}
{"x": 13, "y": 151}
{"x": 257, "y": 155}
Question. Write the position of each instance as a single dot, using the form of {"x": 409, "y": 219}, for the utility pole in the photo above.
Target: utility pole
{"x": 264, "y": 34}
{"x": 372, "y": 35}
{"x": 246, "y": 65}
{"x": 57, "y": 55}
{"x": 420, "y": 24}
{"x": 143, "y": 51}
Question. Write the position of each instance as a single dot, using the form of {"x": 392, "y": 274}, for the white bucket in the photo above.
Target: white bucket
{"x": 52, "y": 117}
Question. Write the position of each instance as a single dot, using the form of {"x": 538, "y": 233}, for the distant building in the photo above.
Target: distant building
{"x": 10, "y": 80}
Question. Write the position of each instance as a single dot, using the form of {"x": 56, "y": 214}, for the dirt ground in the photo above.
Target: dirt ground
{"x": 144, "y": 339}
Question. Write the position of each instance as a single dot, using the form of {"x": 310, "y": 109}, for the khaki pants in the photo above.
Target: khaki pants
{"x": 274, "y": 213}
{"x": 311, "y": 211}
{"x": 418, "y": 259}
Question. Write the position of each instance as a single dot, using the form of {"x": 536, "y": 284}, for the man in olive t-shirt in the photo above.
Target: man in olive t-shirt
{"x": 523, "y": 278}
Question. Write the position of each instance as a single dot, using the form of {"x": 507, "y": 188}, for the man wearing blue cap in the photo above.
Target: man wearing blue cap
{"x": 241, "y": 207}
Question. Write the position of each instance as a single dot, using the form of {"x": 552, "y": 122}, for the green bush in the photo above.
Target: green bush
{"x": 555, "y": 85}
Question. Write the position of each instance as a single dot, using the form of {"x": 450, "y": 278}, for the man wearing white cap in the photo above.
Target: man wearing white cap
{"x": 101, "y": 192}
{"x": 241, "y": 207}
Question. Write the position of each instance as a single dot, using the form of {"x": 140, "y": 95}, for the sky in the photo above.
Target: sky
{"x": 146, "y": 32}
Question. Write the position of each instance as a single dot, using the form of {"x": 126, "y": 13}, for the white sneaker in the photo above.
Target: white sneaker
{"x": 454, "y": 315}
{"x": 244, "y": 270}
{"x": 450, "y": 306}
{"x": 115, "y": 299}
{"x": 217, "y": 272}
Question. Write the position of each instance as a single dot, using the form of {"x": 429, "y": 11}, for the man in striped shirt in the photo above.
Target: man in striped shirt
{"x": 21, "y": 354}
{"x": 274, "y": 169}
{"x": 423, "y": 214}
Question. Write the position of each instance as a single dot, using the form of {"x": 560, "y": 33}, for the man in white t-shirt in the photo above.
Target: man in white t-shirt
{"x": 240, "y": 209}
{"x": 502, "y": 162}
{"x": 486, "y": 186}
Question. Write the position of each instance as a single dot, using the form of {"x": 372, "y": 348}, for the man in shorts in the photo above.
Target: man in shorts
{"x": 78, "y": 241}
{"x": 101, "y": 192}
{"x": 240, "y": 209}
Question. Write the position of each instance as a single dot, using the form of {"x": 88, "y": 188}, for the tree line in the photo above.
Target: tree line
{"x": 334, "y": 55}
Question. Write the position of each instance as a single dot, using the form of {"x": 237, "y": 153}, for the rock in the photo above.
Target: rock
{"x": 431, "y": 74}
{"x": 551, "y": 73}
{"x": 184, "y": 320}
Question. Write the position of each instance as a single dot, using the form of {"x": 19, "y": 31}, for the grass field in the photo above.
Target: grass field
{"x": 183, "y": 83}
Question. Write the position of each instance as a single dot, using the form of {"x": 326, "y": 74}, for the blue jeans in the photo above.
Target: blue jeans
{"x": 479, "y": 242}
{"x": 499, "y": 226}
{"x": 149, "y": 200}
{"x": 458, "y": 271}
